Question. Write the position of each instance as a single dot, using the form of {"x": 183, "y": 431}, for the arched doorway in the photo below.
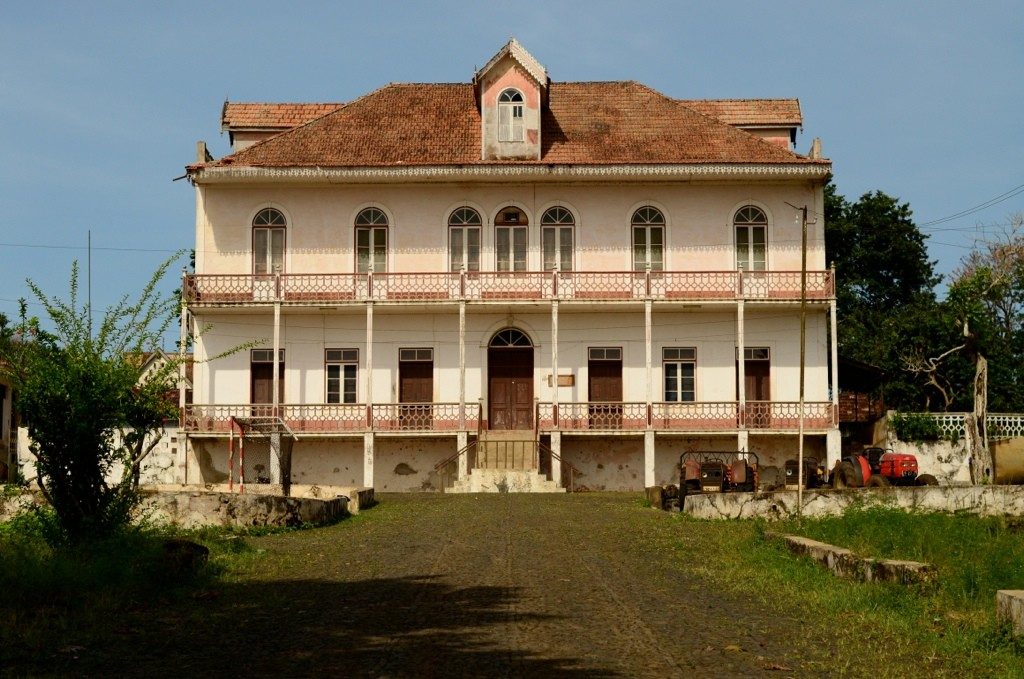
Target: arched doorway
{"x": 510, "y": 380}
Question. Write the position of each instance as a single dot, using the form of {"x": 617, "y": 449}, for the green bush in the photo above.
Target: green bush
{"x": 915, "y": 427}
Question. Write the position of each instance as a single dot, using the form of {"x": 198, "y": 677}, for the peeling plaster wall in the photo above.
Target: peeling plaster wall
{"x": 775, "y": 450}
{"x": 407, "y": 464}
{"x": 949, "y": 462}
{"x": 328, "y": 462}
{"x": 606, "y": 463}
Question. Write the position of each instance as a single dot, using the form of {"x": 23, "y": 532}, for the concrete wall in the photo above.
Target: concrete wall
{"x": 304, "y": 336}
{"x": 407, "y": 464}
{"x": 320, "y": 234}
{"x": 605, "y": 463}
{"x": 196, "y": 509}
{"x": 981, "y": 500}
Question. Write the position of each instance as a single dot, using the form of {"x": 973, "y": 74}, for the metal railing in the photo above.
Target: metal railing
{"x": 504, "y": 286}
{"x": 684, "y": 416}
{"x": 332, "y": 418}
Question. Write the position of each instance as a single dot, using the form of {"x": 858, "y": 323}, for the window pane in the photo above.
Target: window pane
{"x": 549, "y": 249}
{"x": 333, "y": 383}
{"x": 455, "y": 250}
{"x": 519, "y": 242}
{"x": 671, "y": 392}
{"x": 277, "y": 250}
{"x": 259, "y": 251}
{"x": 687, "y": 389}
{"x": 504, "y": 250}
{"x": 639, "y": 248}
{"x": 473, "y": 249}
{"x": 565, "y": 249}
{"x": 657, "y": 256}
{"x": 349, "y": 386}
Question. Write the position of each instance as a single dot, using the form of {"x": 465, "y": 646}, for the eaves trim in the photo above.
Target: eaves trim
{"x": 435, "y": 173}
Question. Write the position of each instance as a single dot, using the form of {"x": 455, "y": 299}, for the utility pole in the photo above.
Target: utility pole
{"x": 803, "y": 357}
{"x": 88, "y": 269}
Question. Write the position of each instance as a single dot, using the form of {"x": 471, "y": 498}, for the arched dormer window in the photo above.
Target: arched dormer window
{"x": 751, "y": 225}
{"x": 510, "y": 115}
{"x": 464, "y": 225}
{"x": 268, "y": 230}
{"x": 557, "y": 238}
{"x": 371, "y": 241}
{"x": 648, "y": 226}
{"x": 510, "y": 237}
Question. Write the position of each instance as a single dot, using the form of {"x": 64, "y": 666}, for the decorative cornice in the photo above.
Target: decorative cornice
{"x": 441, "y": 173}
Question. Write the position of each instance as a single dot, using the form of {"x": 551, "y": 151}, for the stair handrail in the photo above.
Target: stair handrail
{"x": 555, "y": 456}
{"x": 464, "y": 450}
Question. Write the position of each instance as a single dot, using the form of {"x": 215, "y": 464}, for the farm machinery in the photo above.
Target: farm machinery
{"x": 717, "y": 472}
{"x": 878, "y": 467}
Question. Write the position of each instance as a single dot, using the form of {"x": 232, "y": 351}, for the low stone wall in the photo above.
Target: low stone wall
{"x": 359, "y": 497}
{"x": 12, "y": 505}
{"x": 846, "y": 564}
{"x": 195, "y": 509}
{"x": 981, "y": 500}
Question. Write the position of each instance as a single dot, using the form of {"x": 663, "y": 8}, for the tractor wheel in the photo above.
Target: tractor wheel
{"x": 927, "y": 480}
{"x": 877, "y": 481}
{"x": 844, "y": 476}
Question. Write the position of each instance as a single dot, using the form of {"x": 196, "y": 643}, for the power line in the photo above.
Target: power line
{"x": 977, "y": 208}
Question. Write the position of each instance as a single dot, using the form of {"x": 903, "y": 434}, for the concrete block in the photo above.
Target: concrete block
{"x": 1010, "y": 610}
{"x": 846, "y": 564}
{"x": 655, "y": 495}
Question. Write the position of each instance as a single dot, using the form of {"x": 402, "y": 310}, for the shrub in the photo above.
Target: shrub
{"x": 915, "y": 427}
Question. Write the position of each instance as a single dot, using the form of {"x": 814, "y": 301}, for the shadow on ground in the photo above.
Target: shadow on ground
{"x": 382, "y": 628}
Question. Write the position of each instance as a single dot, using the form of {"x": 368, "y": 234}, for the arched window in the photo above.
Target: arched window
{"x": 371, "y": 241}
{"x": 464, "y": 226}
{"x": 510, "y": 115}
{"x": 510, "y": 337}
{"x": 751, "y": 238}
{"x": 648, "y": 239}
{"x": 268, "y": 229}
{"x": 510, "y": 238}
{"x": 557, "y": 238}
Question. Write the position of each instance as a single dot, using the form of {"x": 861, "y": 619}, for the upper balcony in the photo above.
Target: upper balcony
{"x": 215, "y": 290}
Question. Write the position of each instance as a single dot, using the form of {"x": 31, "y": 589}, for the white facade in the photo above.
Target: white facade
{"x": 315, "y": 294}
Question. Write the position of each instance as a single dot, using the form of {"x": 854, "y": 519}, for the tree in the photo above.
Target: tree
{"x": 85, "y": 405}
{"x": 884, "y": 290}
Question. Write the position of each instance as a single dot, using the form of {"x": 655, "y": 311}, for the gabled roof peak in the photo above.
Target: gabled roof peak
{"x": 518, "y": 53}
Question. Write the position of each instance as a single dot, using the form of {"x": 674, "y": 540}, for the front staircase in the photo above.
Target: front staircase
{"x": 505, "y": 462}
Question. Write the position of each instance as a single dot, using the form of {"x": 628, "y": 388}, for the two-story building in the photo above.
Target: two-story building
{"x": 593, "y": 266}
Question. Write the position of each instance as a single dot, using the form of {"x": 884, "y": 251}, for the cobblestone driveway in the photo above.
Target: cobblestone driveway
{"x": 476, "y": 585}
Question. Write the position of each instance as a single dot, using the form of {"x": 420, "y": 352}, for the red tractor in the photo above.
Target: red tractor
{"x": 878, "y": 467}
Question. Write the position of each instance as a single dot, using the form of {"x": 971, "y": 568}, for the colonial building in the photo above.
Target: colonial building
{"x": 602, "y": 273}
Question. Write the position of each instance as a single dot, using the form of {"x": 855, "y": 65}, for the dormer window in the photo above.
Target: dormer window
{"x": 510, "y": 115}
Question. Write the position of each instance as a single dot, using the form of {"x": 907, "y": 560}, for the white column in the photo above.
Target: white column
{"x": 554, "y": 355}
{"x": 743, "y": 441}
{"x": 833, "y": 440}
{"x": 461, "y": 441}
{"x": 275, "y": 450}
{"x": 741, "y": 363}
{"x": 556, "y": 465}
{"x": 462, "y": 367}
{"x": 368, "y": 441}
{"x": 649, "y": 375}
{"x": 368, "y": 459}
{"x": 649, "y": 479}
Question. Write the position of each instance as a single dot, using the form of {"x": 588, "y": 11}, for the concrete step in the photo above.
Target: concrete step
{"x": 505, "y": 481}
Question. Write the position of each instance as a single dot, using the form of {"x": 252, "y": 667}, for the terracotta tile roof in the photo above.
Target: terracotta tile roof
{"x": 265, "y": 116}
{"x": 766, "y": 112}
{"x": 587, "y": 123}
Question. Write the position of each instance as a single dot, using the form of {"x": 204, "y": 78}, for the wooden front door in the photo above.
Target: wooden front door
{"x": 605, "y": 394}
{"x": 758, "y": 392}
{"x": 510, "y": 387}
{"x": 261, "y": 387}
{"x": 415, "y": 386}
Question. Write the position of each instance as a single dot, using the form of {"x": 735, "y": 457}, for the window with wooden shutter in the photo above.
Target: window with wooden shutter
{"x": 510, "y": 116}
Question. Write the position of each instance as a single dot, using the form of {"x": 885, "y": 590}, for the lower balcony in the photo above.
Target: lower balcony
{"x": 439, "y": 418}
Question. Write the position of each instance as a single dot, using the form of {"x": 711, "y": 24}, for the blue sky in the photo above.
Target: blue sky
{"x": 101, "y": 103}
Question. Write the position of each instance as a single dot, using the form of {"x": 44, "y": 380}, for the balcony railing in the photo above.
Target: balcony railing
{"x": 332, "y": 418}
{"x": 684, "y": 416}
{"x": 329, "y": 418}
{"x": 505, "y": 286}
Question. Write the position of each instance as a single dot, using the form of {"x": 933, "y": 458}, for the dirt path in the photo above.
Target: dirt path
{"x": 495, "y": 585}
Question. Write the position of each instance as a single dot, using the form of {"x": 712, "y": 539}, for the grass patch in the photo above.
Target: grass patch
{"x": 57, "y": 600}
{"x": 944, "y": 629}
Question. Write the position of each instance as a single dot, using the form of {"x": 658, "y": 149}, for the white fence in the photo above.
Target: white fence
{"x": 1000, "y": 425}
